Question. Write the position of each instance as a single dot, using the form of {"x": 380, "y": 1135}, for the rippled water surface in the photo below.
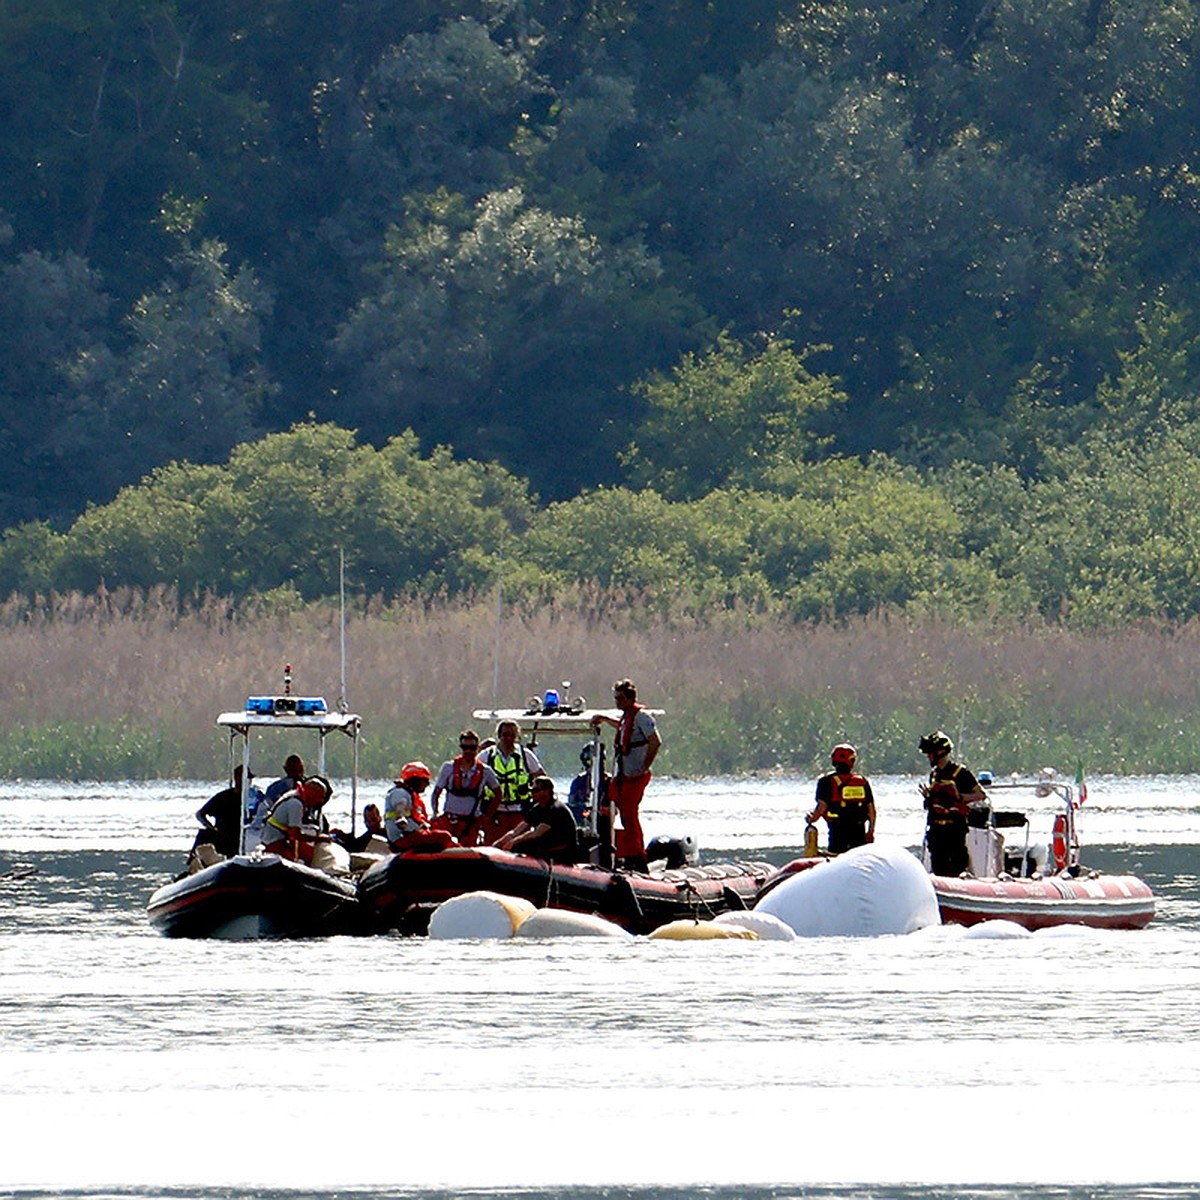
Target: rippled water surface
{"x": 1063, "y": 1064}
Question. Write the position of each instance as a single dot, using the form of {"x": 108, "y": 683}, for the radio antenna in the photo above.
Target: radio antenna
{"x": 342, "y": 701}
{"x": 496, "y": 649}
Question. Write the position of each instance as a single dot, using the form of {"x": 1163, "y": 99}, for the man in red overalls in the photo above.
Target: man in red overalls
{"x": 635, "y": 748}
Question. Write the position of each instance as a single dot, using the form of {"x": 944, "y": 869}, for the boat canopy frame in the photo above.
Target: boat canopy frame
{"x": 320, "y": 723}
{"x": 575, "y": 722}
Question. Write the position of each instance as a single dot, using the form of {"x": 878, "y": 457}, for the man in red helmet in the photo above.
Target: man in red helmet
{"x": 845, "y": 800}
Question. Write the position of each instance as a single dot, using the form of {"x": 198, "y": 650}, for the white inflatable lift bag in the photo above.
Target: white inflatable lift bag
{"x": 479, "y": 915}
{"x": 870, "y": 890}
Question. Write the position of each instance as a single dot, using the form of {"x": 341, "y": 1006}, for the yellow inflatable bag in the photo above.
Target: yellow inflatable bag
{"x": 702, "y": 931}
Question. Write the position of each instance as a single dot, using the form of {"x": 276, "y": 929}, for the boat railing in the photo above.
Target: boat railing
{"x": 1044, "y": 786}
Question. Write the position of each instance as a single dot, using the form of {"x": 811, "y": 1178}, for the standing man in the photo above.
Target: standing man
{"x": 515, "y": 767}
{"x": 470, "y": 788}
{"x": 635, "y": 749}
{"x": 948, "y": 794}
{"x": 221, "y": 818}
{"x": 845, "y": 800}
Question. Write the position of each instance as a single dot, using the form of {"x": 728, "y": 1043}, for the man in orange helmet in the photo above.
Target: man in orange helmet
{"x": 845, "y": 800}
{"x": 406, "y": 819}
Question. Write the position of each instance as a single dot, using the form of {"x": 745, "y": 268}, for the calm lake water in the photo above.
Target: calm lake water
{"x": 927, "y": 1066}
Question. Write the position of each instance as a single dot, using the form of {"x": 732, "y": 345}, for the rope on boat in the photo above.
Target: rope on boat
{"x": 549, "y": 884}
{"x": 699, "y": 902}
{"x": 635, "y": 905}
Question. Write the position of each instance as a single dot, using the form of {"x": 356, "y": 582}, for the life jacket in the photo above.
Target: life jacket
{"x": 303, "y": 846}
{"x": 407, "y": 810}
{"x": 846, "y": 810}
{"x": 628, "y": 736}
{"x": 626, "y": 729}
{"x": 944, "y": 808}
{"x": 514, "y": 778}
{"x": 270, "y": 817}
{"x": 464, "y": 784}
{"x": 848, "y": 798}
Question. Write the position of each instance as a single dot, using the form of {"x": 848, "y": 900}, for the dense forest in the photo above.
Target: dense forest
{"x": 809, "y": 307}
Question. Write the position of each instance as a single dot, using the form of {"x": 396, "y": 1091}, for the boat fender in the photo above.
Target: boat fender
{"x": 1058, "y": 842}
{"x": 557, "y": 922}
{"x": 768, "y": 928}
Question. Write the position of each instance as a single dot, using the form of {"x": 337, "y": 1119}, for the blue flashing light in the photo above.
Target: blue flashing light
{"x": 274, "y": 706}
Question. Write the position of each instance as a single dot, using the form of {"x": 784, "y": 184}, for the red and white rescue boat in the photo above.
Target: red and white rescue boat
{"x": 1089, "y": 898}
{"x": 1036, "y": 886}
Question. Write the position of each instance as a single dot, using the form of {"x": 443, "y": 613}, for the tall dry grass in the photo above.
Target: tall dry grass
{"x": 128, "y": 684}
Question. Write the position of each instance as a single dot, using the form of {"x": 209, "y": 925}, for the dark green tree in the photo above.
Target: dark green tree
{"x": 730, "y": 417}
{"x": 55, "y": 365}
{"x": 192, "y": 377}
{"x": 508, "y": 332}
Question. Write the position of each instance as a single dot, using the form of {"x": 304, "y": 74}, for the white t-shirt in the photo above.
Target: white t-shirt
{"x": 633, "y": 763}
{"x": 288, "y": 814}
{"x": 462, "y": 806}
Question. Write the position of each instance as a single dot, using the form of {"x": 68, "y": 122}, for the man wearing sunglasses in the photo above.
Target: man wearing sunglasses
{"x": 470, "y": 789}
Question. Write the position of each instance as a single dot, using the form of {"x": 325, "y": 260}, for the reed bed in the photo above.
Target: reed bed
{"x": 127, "y": 685}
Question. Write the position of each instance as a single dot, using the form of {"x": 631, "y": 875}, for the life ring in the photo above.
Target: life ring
{"x": 1058, "y": 842}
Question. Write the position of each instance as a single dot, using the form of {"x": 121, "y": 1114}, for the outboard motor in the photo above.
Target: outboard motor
{"x": 676, "y": 851}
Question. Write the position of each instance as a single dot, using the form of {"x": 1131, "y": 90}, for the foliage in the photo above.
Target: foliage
{"x": 742, "y": 691}
{"x": 52, "y": 312}
{"x": 593, "y": 253}
{"x": 279, "y": 512}
{"x": 727, "y": 418}
{"x": 502, "y": 330}
{"x": 81, "y": 751}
